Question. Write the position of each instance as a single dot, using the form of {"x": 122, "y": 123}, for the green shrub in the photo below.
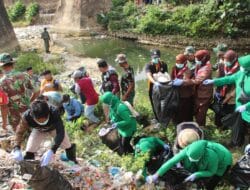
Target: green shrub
{"x": 33, "y": 60}
{"x": 17, "y": 11}
{"x": 32, "y": 11}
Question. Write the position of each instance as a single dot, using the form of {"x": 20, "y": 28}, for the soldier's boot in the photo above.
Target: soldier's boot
{"x": 29, "y": 156}
{"x": 71, "y": 153}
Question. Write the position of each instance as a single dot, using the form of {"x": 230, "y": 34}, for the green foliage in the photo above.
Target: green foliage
{"x": 33, "y": 60}
{"x": 32, "y": 11}
{"x": 204, "y": 18}
{"x": 19, "y": 14}
{"x": 17, "y": 11}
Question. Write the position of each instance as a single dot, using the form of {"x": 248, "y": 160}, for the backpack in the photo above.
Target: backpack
{"x": 4, "y": 99}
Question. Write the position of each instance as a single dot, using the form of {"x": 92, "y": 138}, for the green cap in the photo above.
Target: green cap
{"x": 5, "y": 58}
{"x": 220, "y": 48}
{"x": 189, "y": 50}
{"x": 244, "y": 61}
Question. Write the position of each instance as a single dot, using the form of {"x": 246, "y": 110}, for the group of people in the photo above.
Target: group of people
{"x": 34, "y": 105}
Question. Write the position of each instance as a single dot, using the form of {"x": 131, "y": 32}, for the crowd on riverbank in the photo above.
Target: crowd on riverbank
{"x": 183, "y": 94}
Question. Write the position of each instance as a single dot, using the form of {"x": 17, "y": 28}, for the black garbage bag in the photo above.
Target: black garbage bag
{"x": 240, "y": 173}
{"x": 158, "y": 160}
{"x": 234, "y": 122}
{"x": 111, "y": 140}
{"x": 165, "y": 100}
{"x": 44, "y": 178}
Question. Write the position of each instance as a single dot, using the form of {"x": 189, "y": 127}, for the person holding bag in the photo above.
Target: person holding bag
{"x": 241, "y": 79}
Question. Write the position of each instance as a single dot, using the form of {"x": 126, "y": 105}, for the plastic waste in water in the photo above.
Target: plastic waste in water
{"x": 114, "y": 171}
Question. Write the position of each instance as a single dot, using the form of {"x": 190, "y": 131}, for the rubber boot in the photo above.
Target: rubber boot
{"x": 29, "y": 156}
{"x": 71, "y": 153}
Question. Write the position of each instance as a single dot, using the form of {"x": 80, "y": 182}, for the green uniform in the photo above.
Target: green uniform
{"x": 46, "y": 38}
{"x": 15, "y": 85}
{"x": 126, "y": 79}
{"x": 149, "y": 144}
{"x": 120, "y": 114}
{"x": 213, "y": 159}
{"x": 237, "y": 79}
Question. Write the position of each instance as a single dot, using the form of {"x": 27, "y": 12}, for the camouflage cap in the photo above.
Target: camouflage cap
{"x": 189, "y": 50}
{"x": 121, "y": 58}
{"x": 5, "y": 59}
{"x": 220, "y": 48}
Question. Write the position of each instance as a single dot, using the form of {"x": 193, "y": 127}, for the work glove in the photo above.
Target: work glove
{"x": 166, "y": 147}
{"x": 241, "y": 108}
{"x": 157, "y": 84}
{"x": 152, "y": 178}
{"x": 191, "y": 178}
{"x": 46, "y": 158}
{"x": 177, "y": 82}
{"x": 208, "y": 81}
{"x": 218, "y": 96}
{"x": 178, "y": 165}
{"x": 114, "y": 125}
{"x": 17, "y": 155}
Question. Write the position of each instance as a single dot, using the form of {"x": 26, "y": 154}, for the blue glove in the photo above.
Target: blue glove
{"x": 208, "y": 81}
{"x": 152, "y": 178}
{"x": 218, "y": 96}
{"x": 166, "y": 147}
{"x": 114, "y": 125}
{"x": 191, "y": 178}
{"x": 17, "y": 155}
{"x": 157, "y": 84}
{"x": 241, "y": 108}
{"x": 177, "y": 82}
{"x": 46, "y": 158}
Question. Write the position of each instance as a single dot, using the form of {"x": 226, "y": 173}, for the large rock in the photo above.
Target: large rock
{"x": 8, "y": 41}
{"x": 79, "y": 15}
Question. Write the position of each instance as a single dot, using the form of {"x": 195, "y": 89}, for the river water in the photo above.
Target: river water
{"x": 138, "y": 55}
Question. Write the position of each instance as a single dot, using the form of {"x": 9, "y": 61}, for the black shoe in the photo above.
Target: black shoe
{"x": 71, "y": 153}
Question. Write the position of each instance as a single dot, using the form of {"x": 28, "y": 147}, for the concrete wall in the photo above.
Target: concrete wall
{"x": 8, "y": 41}
{"x": 79, "y": 15}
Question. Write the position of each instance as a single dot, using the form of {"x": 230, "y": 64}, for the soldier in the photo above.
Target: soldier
{"x": 155, "y": 66}
{"x": 46, "y": 38}
{"x": 15, "y": 85}
{"x": 110, "y": 83}
{"x": 127, "y": 79}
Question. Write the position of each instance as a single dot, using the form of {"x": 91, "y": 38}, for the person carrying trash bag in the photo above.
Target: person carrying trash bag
{"x": 224, "y": 96}
{"x": 122, "y": 119}
{"x": 45, "y": 121}
{"x": 240, "y": 173}
{"x": 205, "y": 160}
{"x": 241, "y": 79}
{"x": 155, "y": 148}
{"x": 187, "y": 133}
{"x": 165, "y": 99}
{"x": 181, "y": 71}
{"x": 203, "y": 94}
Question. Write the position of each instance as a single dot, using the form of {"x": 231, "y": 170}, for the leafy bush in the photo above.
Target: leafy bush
{"x": 17, "y": 11}
{"x": 32, "y": 11}
{"x": 33, "y": 60}
{"x": 205, "y": 18}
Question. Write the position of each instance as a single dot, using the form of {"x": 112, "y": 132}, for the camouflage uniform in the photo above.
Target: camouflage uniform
{"x": 15, "y": 85}
{"x": 46, "y": 38}
{"x": 126, "y": 80}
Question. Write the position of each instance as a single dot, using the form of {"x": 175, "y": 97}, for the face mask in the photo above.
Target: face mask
{"x": 42, "y": 123}
{"x": 193, "y": 160}
{"x": 66, "y": 104}
{"x": 179, "y": 66}
{"x": 228, "y": 64}
{"x": 198, "y": 62}
{"x": 221, "y": 61}
{"x": 155, "y": 60}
